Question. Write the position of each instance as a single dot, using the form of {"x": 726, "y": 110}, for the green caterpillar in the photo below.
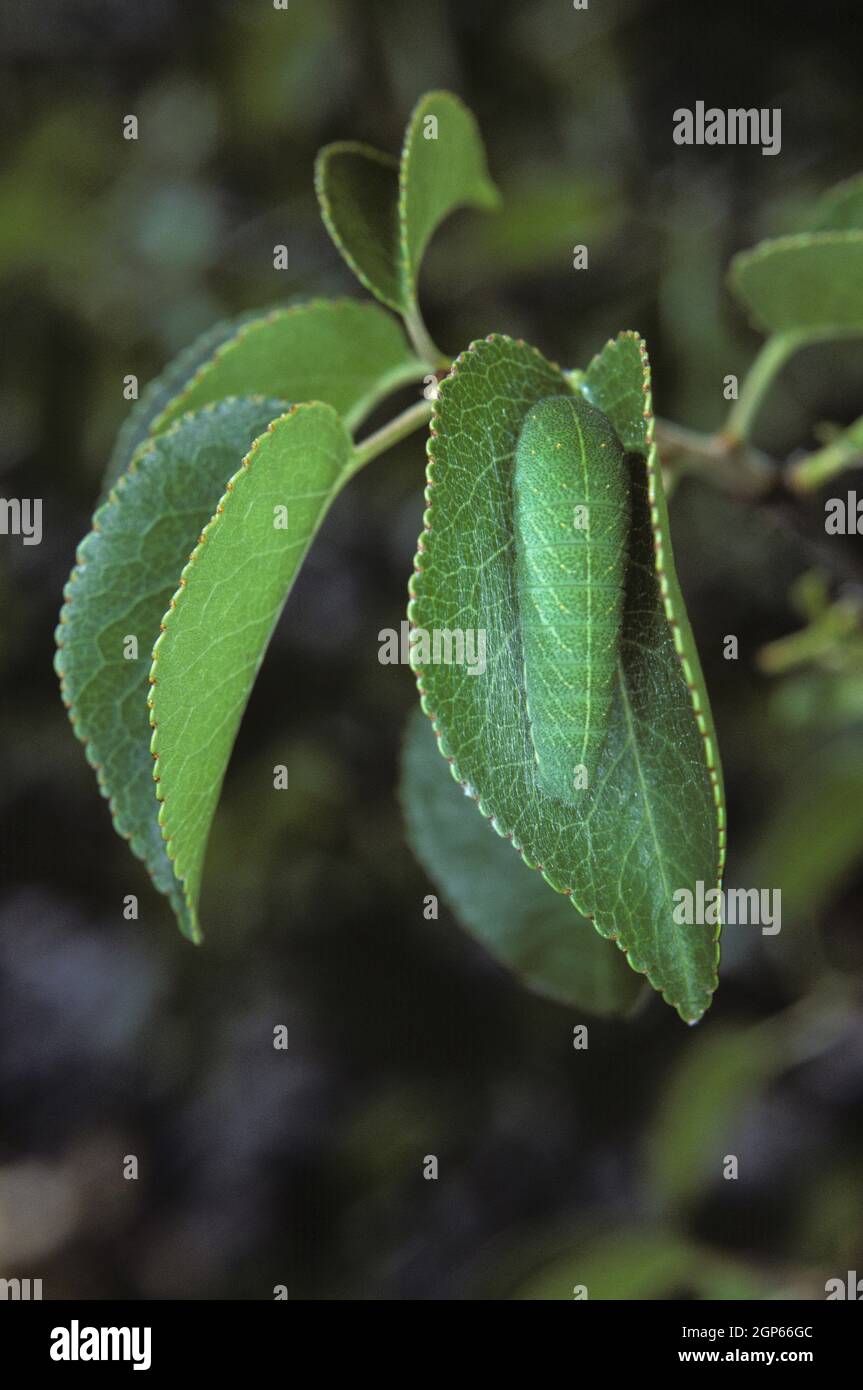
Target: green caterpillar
{"x": 572, "y": 521}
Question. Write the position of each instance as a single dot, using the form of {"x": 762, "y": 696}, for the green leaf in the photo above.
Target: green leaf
{"x": 221, "y": 618}
{"x": 840, "y": 209}
{"x": 344, "y": 353}
{"x": 651, "y": 820}
{"x": 509, "y": 910}
{"x": 158, "y": 393}
{"x": 809, "y": 284}
{"x": 358, "y": 192}
{"x": 442, "y": 167}
{"x": 126, "y": 572}
{"x": 381, "y": 213}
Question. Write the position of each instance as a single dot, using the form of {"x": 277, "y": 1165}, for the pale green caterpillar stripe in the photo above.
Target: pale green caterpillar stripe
{"x": 572, "y": 520}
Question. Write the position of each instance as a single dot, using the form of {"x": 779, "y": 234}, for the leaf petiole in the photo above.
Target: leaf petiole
{"x": 388, "y": 435}
{"x": 422, "y": 340}
{"x": 771, "y": 358}
{"x": 839, "y": 454}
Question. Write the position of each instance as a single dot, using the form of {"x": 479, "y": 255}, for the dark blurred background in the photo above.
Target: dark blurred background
{"x": 258, "y": 1167}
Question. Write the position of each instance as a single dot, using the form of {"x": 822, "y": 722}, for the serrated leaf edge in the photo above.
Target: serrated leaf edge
{"x": 406, "y": 271}
{"x": 153, "y": 387}
{"x": 412, "y": 369}
{"x": 378, "y": 157}
{"x": 144, "y": 456}
{"x": 659, "y": 541}
{"x": 212, "y": 524}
